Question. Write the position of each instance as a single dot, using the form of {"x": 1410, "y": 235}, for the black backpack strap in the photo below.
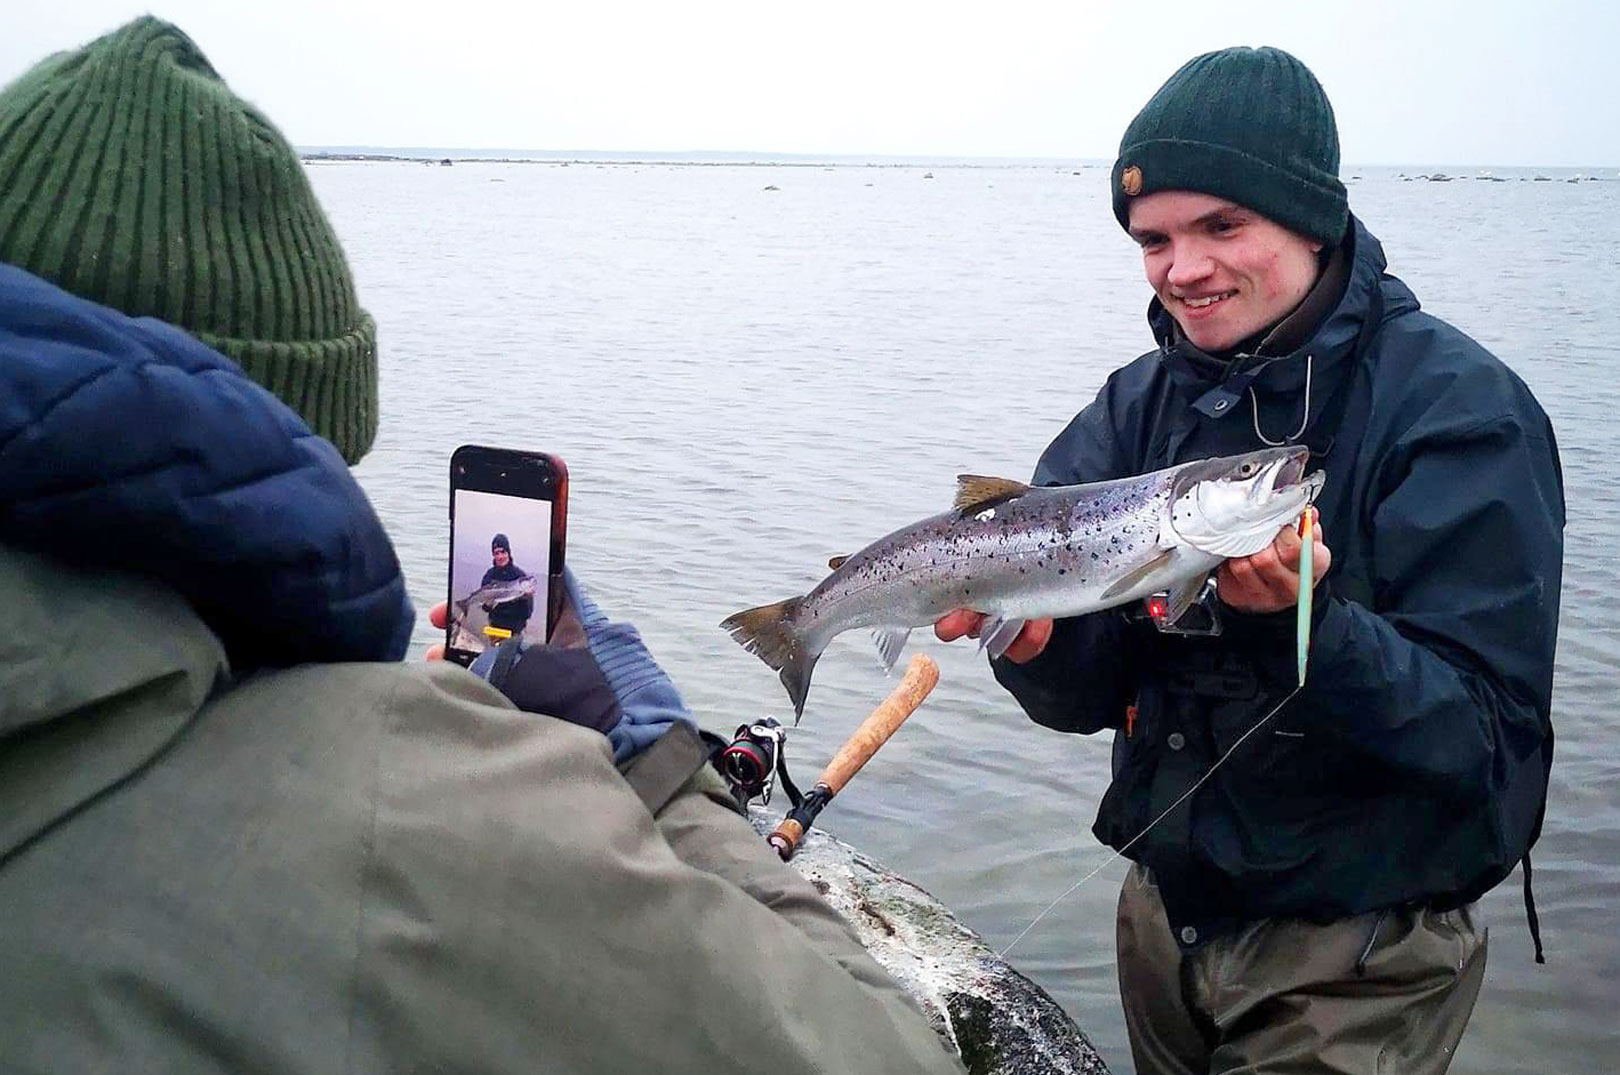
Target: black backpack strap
{"x": 665, "y": 767}
{"x": 1530, "y": 911}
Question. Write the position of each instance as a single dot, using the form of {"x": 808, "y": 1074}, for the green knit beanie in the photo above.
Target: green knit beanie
{"x": 131, "y": 175}
{"x": 1252, "y": 126}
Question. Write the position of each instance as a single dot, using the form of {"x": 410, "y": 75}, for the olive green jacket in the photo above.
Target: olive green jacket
{"x": 375, "y": 867}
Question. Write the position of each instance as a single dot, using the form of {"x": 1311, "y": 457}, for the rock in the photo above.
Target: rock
{"x": 999, "y": 1021}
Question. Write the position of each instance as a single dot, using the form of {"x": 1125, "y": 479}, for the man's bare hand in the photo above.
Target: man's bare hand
{"x": 1268, "y": 581}
{"x": 438, "y": 616}
{"x": 965, "y": 622}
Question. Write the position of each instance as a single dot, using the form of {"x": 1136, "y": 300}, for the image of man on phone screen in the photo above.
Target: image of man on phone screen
{"x": 510, "y": 615}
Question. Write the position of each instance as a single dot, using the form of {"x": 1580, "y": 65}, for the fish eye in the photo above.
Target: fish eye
{"x": 1246, "y": 470}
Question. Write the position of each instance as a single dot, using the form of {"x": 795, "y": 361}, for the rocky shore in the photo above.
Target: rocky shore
{"x": 999, "y": 1021}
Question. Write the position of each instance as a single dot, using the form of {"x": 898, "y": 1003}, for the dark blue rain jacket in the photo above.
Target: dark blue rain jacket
{"x": 125, "y": 443}
{"x": 1412, "y": 768}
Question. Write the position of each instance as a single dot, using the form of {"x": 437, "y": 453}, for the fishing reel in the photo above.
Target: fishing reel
{"x": 754, "y": 760}
{"x": 1202, "y": 619}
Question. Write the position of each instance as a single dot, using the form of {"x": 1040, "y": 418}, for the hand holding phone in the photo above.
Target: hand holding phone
{"x": 648, "y": 702}
{"x": 508, "y": 522}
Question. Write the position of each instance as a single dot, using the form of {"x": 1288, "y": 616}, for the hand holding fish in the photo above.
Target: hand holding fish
{"x": 1029, "y": 643}
{"x": 1268, "y": 581}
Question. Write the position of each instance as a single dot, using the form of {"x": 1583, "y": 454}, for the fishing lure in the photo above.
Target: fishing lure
{"x": 1307, "y": 551}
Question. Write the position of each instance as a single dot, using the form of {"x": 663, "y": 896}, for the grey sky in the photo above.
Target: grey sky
{"x": 1462, "y": 82}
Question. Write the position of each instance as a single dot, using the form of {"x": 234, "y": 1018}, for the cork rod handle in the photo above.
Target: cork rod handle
{"x": 921, "y": 676}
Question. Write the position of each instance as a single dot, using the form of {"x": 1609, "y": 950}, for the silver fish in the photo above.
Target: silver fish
{"x": 1018, "y": 553}
{"x": 497, "y": 593}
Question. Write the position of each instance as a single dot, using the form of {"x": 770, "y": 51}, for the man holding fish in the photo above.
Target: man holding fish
{"x": 1310, "y": 906}
{"x": 508, "y": 614}
{"x": 1305, "y": 902}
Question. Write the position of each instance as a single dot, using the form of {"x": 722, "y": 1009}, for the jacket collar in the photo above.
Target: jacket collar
{"x": 1369, "y": 296}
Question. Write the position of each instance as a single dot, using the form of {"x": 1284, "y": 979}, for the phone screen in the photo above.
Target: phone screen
{"x": 505, "y": 552}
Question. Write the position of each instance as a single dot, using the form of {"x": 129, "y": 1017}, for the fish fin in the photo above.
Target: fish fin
{"x": 1237, "y": 545}
{"x": 1183, "y": 597}
{"x": 1137, "y": 575}
{"x": 769, "y": 633}
{"x": 998, "y": 634}
{"x": 975, "y": 492}
{"x": 890, "y": 641}
{"x": 836, "y": 562}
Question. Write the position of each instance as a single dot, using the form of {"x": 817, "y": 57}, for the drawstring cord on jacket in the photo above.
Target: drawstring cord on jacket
{"x": 1304, "y": 418}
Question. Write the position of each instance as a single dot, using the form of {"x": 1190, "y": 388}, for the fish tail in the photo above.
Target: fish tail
{"x": 770, "y": 633}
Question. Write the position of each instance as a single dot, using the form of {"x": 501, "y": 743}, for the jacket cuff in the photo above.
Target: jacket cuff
{"x": 1044, "y": 685}
{"x": 648, "y": 701}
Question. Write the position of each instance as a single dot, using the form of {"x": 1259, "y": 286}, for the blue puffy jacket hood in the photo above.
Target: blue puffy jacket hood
{"x": 127, "y": 444}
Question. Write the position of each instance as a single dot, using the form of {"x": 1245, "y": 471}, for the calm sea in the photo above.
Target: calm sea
{"x": 752, "y": 368}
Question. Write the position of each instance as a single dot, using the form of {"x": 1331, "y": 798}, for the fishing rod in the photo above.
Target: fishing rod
{"x": 1307, "y": 582}
{"x": 754, "y": 760}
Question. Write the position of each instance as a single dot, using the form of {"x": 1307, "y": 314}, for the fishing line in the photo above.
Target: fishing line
{"x": 1132, "y": 841}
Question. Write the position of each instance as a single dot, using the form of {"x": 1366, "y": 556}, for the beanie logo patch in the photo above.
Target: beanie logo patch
{"x": 1130, "y": 181}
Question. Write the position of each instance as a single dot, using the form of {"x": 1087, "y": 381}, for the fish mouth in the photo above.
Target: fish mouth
{"x": 1293, "y": 468}
{"x": 1291, "y": 473}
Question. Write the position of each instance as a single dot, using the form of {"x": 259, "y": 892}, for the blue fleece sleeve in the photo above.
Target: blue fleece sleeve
{"x": 647, "y": 697}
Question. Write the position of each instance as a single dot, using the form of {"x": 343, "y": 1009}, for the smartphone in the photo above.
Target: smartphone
{"x": 508, "y": 522}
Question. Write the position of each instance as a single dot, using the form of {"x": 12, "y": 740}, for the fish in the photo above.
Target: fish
{"x": 1016, "y": 553}
{"x": 497, "y": 593}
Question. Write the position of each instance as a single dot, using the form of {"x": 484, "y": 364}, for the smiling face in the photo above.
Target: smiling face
{"x": 500, "y": 556}
{"x": 1224, "y": 272}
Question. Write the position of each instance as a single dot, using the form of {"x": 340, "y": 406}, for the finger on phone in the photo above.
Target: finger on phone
{"x": 439, "y": 615}
{"x": 434, "y": 652}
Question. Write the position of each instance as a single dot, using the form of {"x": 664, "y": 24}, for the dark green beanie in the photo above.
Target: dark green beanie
{"x": 1252, "y": 126}
{"x": 131, "y": 175}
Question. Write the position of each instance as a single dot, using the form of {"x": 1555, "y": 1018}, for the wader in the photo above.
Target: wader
{"x": 1386, "y": 992}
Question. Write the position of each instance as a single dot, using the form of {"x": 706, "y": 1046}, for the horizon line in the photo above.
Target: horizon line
{"x": 735, "y": 156}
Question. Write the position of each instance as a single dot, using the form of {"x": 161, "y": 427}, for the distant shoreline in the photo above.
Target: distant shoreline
{"x": 1517, "y": 173}
{"x": 360, "y": 156}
